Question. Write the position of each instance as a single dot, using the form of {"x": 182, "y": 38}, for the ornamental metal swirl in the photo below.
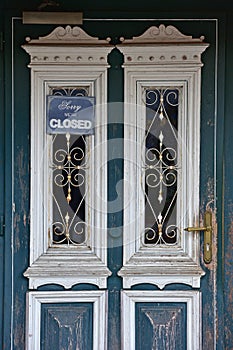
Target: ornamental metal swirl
{"x": 160, "y": 166}
{"x": 69, "y": 165}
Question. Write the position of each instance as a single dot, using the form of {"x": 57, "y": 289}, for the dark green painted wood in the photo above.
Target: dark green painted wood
{"x": 124, "y": 6}
{"x": 21, "y": 186}
{"x": 115, "y": 192}
{"x": 2, "y": 176}
{"x": 161, "y": 326}
{"x": 227, "y": 228}
{"x": 7, "y": 282}
{"x": 17, "y": 186}
{"x": 207, "y": 180}
{"x": 67, "y": 326}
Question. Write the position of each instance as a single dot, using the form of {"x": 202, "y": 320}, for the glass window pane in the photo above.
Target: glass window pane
{"x": 161, "y": 166}
{"x": 69, "y": 164}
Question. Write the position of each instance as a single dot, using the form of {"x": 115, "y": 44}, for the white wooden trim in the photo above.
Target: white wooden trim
{"x": 160, "y": 63}
{"x": 36, "y": 299}
{"x": 68, "y": 63}
{"x": 191, "y": 298}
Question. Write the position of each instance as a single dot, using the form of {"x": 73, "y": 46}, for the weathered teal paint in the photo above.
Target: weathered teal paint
{"x": 21, "y": 178}
{"x": 207, "y": 175}
{"x": 115, "y": 175}
{"x": 2, "y": 176}
{"x": 226, "y": 262}
{"x": 161, "y": 326}
{"x": 67, "y": 326}
{"x": 17, "y": 227}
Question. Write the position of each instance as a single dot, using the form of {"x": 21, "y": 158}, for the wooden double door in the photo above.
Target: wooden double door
{"x": 129, "y": 277}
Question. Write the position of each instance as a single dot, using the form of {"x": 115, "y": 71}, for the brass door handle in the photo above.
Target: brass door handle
{"x": 207, "y": 229}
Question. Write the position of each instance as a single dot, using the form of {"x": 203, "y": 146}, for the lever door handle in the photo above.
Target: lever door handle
{"x": 207, "y": 229}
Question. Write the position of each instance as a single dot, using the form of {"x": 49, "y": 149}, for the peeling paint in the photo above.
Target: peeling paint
{"x": 20, "y": 243}
{"x": 24, "y": 220}
{"x": 19, "y": 330}
{"x": 114, "y": 327}
{"x": 228, "y": 280}
{"x": 213, "y": 264}
{"x": 209, "y": 283}
{"x": 208, "y": 204}
{"x": 16, "y": 242}
{"x": 22, "y": 176}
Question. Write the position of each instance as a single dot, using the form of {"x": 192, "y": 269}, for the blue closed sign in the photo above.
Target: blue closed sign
{"x": 74, "y": 115}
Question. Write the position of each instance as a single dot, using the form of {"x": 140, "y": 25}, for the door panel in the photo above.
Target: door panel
{"x": 164, "y": 324}
{"x": 67, "y": 323}
{"x": 66, "y": 319}
{"x": 158, "y": 320}
{"x": 145, "y": 301}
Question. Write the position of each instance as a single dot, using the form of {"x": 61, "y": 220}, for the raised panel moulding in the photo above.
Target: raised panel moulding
{"x": 130, "y": 327}
{"x": 36, "y": 300}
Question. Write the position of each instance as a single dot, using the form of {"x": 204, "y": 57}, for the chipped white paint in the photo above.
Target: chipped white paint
{"x": 162, "y": 63}
{"x": 162, "y": 34}
{"x": 36, "y": 299}
{"x": 61, "y": 59}
{"x": 72, "y": 35}
{"x": 191, "y": 298}
{"x": 161, "y": 46}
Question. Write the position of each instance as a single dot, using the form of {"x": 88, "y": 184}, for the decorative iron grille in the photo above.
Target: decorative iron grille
{"x": 160, "y": 166}
{"x": 69, "y": 165}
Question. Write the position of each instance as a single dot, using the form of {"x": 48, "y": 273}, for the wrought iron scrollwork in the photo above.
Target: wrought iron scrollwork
{"x": 69, "y": 165}
{"x": 160, "y": 166}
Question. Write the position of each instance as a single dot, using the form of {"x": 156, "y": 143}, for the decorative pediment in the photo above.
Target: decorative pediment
{"x": 162, "y": 45}
{"x": 68, "y": 35}
{"x": 161, "y": 34}
{"x": 68, "y": 46}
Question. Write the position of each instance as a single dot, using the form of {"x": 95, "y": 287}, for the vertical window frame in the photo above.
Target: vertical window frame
{"x": 168, "y": 57}
{"x": 56, "y": 62}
